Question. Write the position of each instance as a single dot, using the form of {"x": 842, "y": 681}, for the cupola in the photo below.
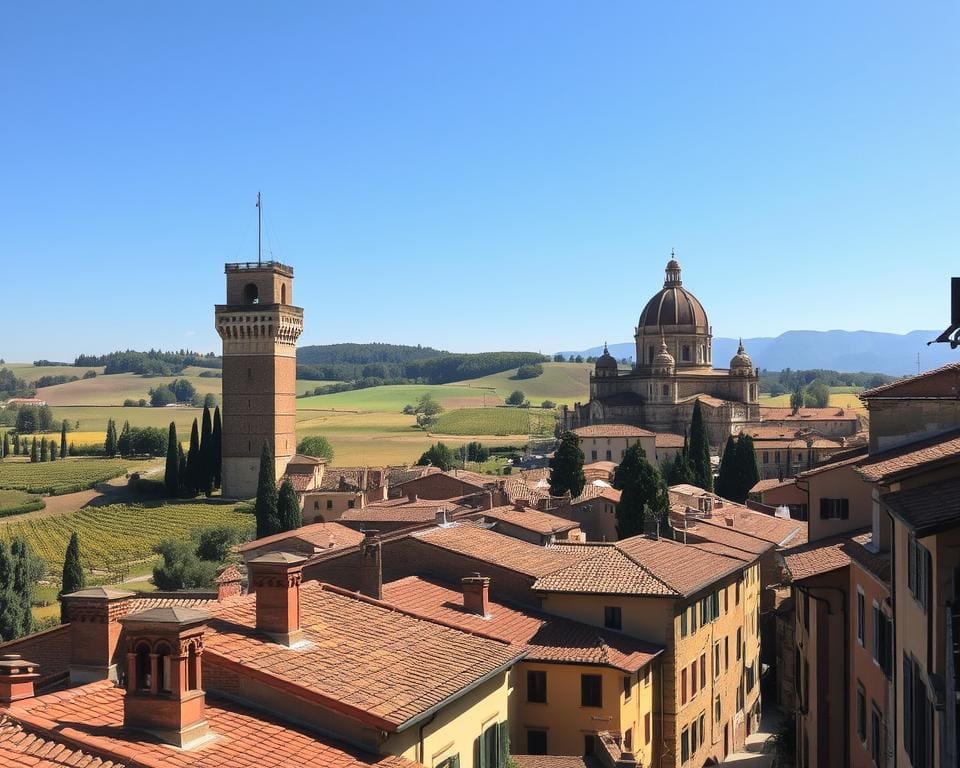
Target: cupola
{"x": 606, "y": 365}
{"x": 663, "y": 363}
{"x": 740, "y": 363}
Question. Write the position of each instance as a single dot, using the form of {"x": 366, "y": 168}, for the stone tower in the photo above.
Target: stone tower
{"x": 259, "y": 327}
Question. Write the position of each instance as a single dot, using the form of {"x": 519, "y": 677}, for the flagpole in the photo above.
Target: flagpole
{"x": 259, "y": 218}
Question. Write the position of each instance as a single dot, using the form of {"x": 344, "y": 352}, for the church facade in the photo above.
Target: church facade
{"x": 673, "y": 369}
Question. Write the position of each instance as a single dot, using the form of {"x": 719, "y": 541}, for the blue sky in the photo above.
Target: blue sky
{"x": 476, "y": 176}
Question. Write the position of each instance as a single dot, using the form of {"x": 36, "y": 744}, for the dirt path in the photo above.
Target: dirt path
{"x": 113, "y": 491}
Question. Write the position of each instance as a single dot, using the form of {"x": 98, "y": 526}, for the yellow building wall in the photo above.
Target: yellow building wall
{"x": 456, "y": 727}
{"x": 315, "y": 504}
{"x": 596, "y": 448}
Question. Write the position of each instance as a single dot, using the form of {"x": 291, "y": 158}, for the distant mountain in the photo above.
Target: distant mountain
{"x": 889, "y": 353}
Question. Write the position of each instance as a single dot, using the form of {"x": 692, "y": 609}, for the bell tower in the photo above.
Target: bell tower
{"x": 259, "y": 327}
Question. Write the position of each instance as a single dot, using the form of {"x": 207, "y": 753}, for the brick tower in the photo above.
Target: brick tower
{"x": 259, "y": 327}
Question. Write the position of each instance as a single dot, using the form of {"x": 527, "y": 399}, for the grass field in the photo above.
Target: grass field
{"x": 31, "y": 373}
{"x": 67, "y": 476}
{"x": 564, "y": 383}
{"x": 496, "y": 421}
{"x": 13, "y": 500}
{"x": 394, "y": 397}
{"x": 114, "y": 537}
{"x": 841, "y": 397}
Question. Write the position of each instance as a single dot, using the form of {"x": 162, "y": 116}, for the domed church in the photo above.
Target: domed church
{"x": 673, "y": 369}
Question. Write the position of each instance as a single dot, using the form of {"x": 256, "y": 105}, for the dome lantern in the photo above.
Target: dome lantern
{"x": 741, "y": 363}
{"x": 606, "y": 364}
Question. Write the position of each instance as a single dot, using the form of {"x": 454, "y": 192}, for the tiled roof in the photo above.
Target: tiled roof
{"x": 836, "y": 463}
{"x": 708, "y": 400}
{"x": 778, "y": 413}
{"x": 545, "y": 637}
{"x": 927, "y": 509}
{"x": 612, "y": 430}
{"x": 531, "y": 520}
{"x": 539, "y": 473}
{"x": 940, "y": 382}
{"x": 669, "y": 440}
{"x": 733, "y": 542}
{"x": 770, "y": 484}
{"x": 399, "y": 475}
{"x": 308, "y": 539}
{"x": 944, "y": 449}
{"x": 93, "y": 715}
{"x": 301, "y": 482}
{"x": 519, "y": 489}
{"x": 829, "y": 554}
{"x": 148, "y": 602}
{"x": 19, "y": 747}
{"x": 401, "y": 511}
{"x": 683, "y": 567}
{"x": 602, "y": 466}
{"x": 500, "y": 550}
{"x": 591, "y": 491}
{"x": 387, "y": 664}
{"x": 50, "y": 650}
{"x": 555, "y": 761}
{"x": 344, "y": 479}
{"x": 603, "y": 570}
{"x": 302, "y": 460}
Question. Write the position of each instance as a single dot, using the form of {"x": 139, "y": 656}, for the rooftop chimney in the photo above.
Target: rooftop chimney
{"x": 442, "y": 516}
{"x": 371, "y": 567}
{"x": 229, "y": 583}
{"x": 164, "y": 696}
{"x": 518, "y": 505}
{"x": 276, "y": 578}
{"x": 412, "y": 497}
{"x": 16, "y": 678}
{"x": 476, "y": 594}
{"x": 94, "y": 616}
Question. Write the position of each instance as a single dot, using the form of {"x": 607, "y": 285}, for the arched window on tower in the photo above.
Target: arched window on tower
{"x": 251, "y": 294}
{"x": 193, "y": 669}
{"x": 686, "y": 353}
{"x": 163, "y": 667}
{"x": 142, "y": 681}
{"x": 283, "y": 293}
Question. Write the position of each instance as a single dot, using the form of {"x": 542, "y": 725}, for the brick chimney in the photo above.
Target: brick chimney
{"x": 94, "y": 616}
{"x": 371, "y": 567}
{"x": 229, "y": 583}
{"x": 441, "y": 516}
{"x": 518, "y": 505}
{"x": 412, "y": 497}
{"x": 276, "y": 578}
{"x": 476, "y": 594}
{"x": 164, "y": 693}
{"x": 16, "y": 678}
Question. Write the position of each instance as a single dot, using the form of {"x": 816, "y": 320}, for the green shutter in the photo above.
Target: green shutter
{"x": 504, "y": 744}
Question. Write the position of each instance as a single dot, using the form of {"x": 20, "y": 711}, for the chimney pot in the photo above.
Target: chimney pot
{"x": 276, "y": 578}
{"x": 94, "y": 616}
{"x": 476, "y": 594}
{"x": 518, "y": 505}
{"x": 412, "y": 497}
{"x": 371, "y": 565}
{"x": 16, "y": 678}
{"x": 229, "y": 583}
{"x": 442, "y": 516}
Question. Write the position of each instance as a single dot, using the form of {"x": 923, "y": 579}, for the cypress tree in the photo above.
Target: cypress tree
{"x": 110, "y": 441}
{"x": 700, "y": 450}
{"x": 43, "y": 449}
{"x": 679, "y": 471}
{"x": 268, "y": 521}
{"x": 16, "y": 445}
{"x": 206, "y": 454}
{"x": 217, "y": 449}
{"x": 643, "y": 492}
{"x": 123, "y": 442}
{"x": 181, "y": 471}
{"x": 73, "y": 577}
{"x": 566, "y": 467}
{"x": 63, "y": 439}
{"x": 194, "y": 470}
{"x": 6, "y": 445}
{"x": 53, "y": 450}
{"x": 727, "y": 476}
{"x": 34, "y": 452}
{"x": 171, "y": 473}
{"x": 748, "y": 475}
{"x": 288, "y": 507}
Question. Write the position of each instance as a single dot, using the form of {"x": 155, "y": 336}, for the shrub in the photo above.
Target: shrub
{"x": 316, "y": 445}
{"x": 516, "y": 398}
{"x": 548, "y": 404}
{"x": 529, "y": 371}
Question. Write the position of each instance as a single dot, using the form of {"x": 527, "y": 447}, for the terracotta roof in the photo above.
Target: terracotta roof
{"x": 591, "y": 491}
{"x": 545, "y": 637}
{"x": 497, "y": 549}
{"x": 301, "y": 459}
{"x": 19, "y": 747}
{"x": 602, "y": 466}
{"x": 519, "y": 489}
{"x": 941, "y": 449}
{"x": 836, "y": 463}
{"x": 685, "y": 568}
{"x": 769, "y": 485}
{"x": 539, "y": 473}
{"x": 555, "y": 761}
{"x": 400, "y": 475}
{"x": 387, "y": 664}
{"x": 308, "y": 539}
{"x": 603, "y": 570}
{"x": 708, "y": 400}
{"x": 93, "y": 716}
{"x": 531, "y": 520}
{"x": 345, "y": 479}
{"x": 778, "y": 413}
{"x": 829, "y": 554}
{"x": 927, "y": 509}
{"x": 942, "y": 382}
{"x": 746, "y": 521}
{"x": 49, "y": 649}
{"x": 149, "y": 601}
{"x": 612, "y": 430}
{"x": 401, "y": 511}
{"x": 733, "y": 543}
{"x": 301, "y": 482}
{"x": 669, "y": 440}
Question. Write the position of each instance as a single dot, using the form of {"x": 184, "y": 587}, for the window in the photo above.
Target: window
{"x": 693, "y": 618}
{"x": 716, "y": 660}
{"x": 684, "y": 745}
{"x": 918, "y": 571}
{"x": 609, "y": 455}
{"x": 736, "y": 593}
{"x": 875, "y": 734}
{"x": 806, "y": 611}
{"x": 703, "y": 670}
{"x": 451, "y": 762}
{"x": 693, "y": 679}
{"x": 739, "y": 642}
{"x": 834, "y": 509}
{"x": 490, "y": 755}
{"x": 593, "y": 455}
{"x": 647, "y": 735}
{"x": 350, "y": 503}
{"x": 316, "y": 504}
{"x": 716, "y": 710}
{"x": 726, "y": 654}
{"x": 726, "y": 600}
{"x": 536, "y": 742}
{"x": 882, "y": 640}
{"x": 536, "y": 686}
{"x": 686, "y": 353}
{"x": 750, "y": 677}
{"x": 627, "y": 686}
{"x": 646, "y": 677}
{"x": 861, "y": 714}
{"x": 703, "y": 727}
{"x": 715, "y": 605}
{"x": 628, "y": 740}
{"x": 591, "y": 691}
{"x": 693, "y": 736}
{"x": 329, "y": 503}
{"x": 766, "y": 457}
{"x": 666, "y": 390}
{"x": 683, "y": 624}
{"x": 612, "y": 617}
{"x": 917, "y": 715}
{"x": 683, "y": 685}
{"x": 860, "y": 619}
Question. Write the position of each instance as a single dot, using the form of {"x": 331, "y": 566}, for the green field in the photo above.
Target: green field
{"x": 67, "y": 476}
{"x": 18, "y": 501}
{"x": 564, "y": 383}
{"x": 840, "y": 397}
{"x": 31, "y": 373}
{"x": 496, "y": 421}
{"x": 394, "y": 397}
{"x": 115, "y": 536}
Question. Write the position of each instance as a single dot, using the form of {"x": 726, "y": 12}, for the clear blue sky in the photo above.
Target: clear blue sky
{"x": 476, "y": 176}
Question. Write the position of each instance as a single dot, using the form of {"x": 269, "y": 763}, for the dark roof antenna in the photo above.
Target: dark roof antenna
{"x": 951, "y": 336}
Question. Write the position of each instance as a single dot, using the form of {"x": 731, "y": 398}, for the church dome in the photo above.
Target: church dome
{"x": 664, "y": 362}
{"x": 741, "y": 360}
{"x": 606, "y": 361}
{"x": 674, "y": 305}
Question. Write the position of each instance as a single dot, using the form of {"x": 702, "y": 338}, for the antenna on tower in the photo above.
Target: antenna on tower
{"x": 259, "y": 227}
{"x": 918, "y": 363}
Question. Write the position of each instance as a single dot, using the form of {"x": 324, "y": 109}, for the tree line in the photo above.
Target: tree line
{"x": 200, "y": 469}
{"x": 789, "y": 380}
{"x": 154, "y": 362}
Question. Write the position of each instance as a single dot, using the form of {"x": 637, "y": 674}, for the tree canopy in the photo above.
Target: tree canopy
{"x": 566, "y": 467}
{"x": 700, "y": 450}
{"x": 643, "y": 493}
{"x": 317, "y": 446}
{"x": 268, "y": 521}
